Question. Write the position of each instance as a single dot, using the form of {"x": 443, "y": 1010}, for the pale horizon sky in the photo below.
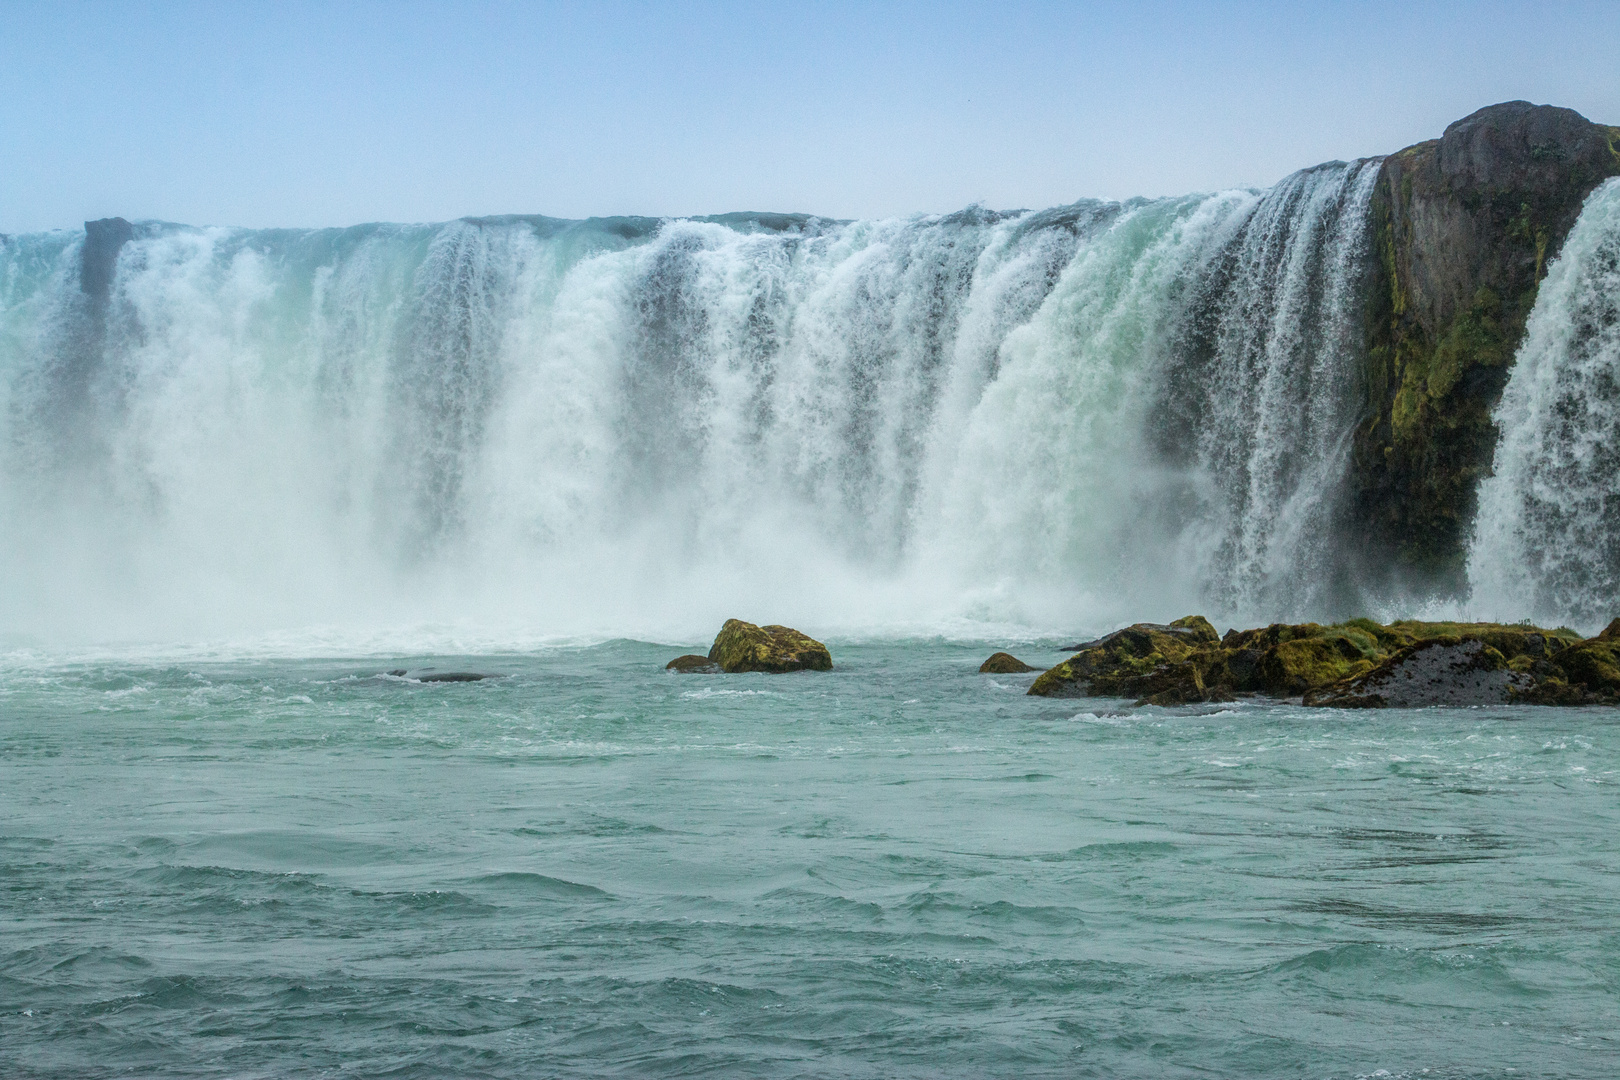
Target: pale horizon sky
{"x": 301, "y": 114}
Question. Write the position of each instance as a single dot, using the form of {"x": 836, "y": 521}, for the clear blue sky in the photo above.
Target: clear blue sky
{"x": 325, "y": 114}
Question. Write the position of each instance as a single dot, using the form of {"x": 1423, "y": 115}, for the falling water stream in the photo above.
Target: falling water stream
{"x": 1079, "y": 414}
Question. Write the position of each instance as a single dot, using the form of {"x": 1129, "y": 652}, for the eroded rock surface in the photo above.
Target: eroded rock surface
{"x": 1440, "y": 671}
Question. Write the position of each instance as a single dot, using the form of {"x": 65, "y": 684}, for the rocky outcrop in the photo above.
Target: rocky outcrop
{"x": 1114, "y": 664}
{"x": 693, "y": 664}
{"x": 742, "y": 646}
{"x": 1355, "y": 664}
{"x": 98, "y": 258}
{"x": 1004, "y": 664}
{"x": 1587, "y": 673}
{"x": 1463, "y": 229}
{"x": 1440, "y": 671}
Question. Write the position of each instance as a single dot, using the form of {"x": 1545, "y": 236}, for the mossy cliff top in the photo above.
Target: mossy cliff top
{"x": 1168, "y": 665}
{"x": 1463, "y": 229}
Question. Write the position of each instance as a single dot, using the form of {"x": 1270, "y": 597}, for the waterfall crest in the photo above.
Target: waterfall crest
{"x": 1099, "y": 411}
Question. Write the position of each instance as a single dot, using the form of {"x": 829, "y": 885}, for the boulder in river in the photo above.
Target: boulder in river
{"x": 693, "y": 664}
{"x": 1106, "y": 666}
{"x": 1004, "y": 664}
{"x": 742, "y": 646}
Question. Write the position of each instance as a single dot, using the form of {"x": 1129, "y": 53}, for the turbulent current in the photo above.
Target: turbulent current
{"x": 898, "y": 868}
{"x": 1110, "y": 410}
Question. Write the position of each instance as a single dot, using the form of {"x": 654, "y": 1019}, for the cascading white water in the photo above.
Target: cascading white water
{"x": 1281, "y": 397}
{"x": 1061, "y": 418}
{"x": 1547, "y": 536}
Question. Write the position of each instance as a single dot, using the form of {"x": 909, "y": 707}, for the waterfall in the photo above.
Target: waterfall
{"x": 1547, "y": 537}
{"x": 1054, "y": 418}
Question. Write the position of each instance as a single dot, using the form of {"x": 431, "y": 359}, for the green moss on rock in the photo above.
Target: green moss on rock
{"x": 1137, "y": 650}
{"x": 1004, "y": 664}
{"x": 1462, "y": 230}
{"x": 1184, "y": 662}
{"x": 742, "y": 646}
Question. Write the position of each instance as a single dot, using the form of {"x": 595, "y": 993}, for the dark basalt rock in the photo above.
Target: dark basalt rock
{"x": 1004, "y": 664}
{"x": 429, "y": 675}
{"x": 693, "y": 664}
{"x": 98, "y": 259}
{"x": 1463, "y": 229}
{"x": 1440, "y": 671}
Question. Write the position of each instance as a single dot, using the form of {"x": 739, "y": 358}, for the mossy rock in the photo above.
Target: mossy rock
{"x": 1201, "y": 628}
{"x": 1004, "y": 664}
{"x": 742, "y": 646}
{"x": 1136, "y": 650}
{"x": 1183, "y": 662}
{"x": 1593, "y": 666}
{"x": 693, "y": 664}
{"x": 1180, "y": 683}
{"x": 1463, "y": 228}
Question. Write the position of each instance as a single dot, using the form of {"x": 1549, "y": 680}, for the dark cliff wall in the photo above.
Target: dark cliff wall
{"x": 1463, "y": 229}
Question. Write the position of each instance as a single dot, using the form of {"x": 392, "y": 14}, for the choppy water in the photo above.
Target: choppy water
{"x": 900, "y": 868}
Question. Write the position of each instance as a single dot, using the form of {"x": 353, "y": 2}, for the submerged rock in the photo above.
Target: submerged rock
{"x": 1004, "y": 664}
{"x": 1440, "y": 671}
{"x": 742, "y": 646}
{"x": 693, "y": 664}
{"x": 431, "y": 675}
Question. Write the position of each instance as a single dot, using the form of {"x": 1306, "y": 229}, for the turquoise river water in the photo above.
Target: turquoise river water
{"x": 250, "y": 867}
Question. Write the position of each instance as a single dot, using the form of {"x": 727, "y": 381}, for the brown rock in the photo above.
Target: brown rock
{"x": 1004, "y": 664}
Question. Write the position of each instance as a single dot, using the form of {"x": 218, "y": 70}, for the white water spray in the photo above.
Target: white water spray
{"x": 1053, "y": 419}
{"x": 1547, "y": 537}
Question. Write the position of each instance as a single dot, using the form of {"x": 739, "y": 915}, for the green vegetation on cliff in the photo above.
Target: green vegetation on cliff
{"x": 1463, "y": 229}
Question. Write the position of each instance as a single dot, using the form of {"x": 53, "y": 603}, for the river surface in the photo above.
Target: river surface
{"x": 222, "y": 866}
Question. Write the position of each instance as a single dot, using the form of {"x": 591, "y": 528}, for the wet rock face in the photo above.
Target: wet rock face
{"x": 742, "y": 646}
{"x": 1441, "y": 671}
{"x": 1355, "y": 664}
{"x": 98, "y": 260}
{"x": 1114, "y": 659}
{"x": 1004, "y": 664}
{"x": 1523, "y": 147}
{"x": 1463, "y": 229}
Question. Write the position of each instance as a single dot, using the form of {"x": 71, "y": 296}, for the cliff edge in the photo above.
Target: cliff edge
{"x": 1463, "y": 229}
